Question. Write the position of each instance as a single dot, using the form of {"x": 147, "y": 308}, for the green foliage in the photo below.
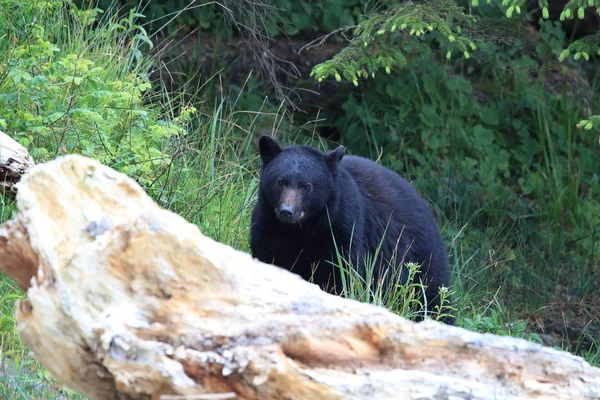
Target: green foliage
{"x": 381, "y": 41}
{"x": 212, "y": 184}
{"x": 496, "y": 321}
{"x": 592, "y": 122}
{"x": 23, "y": 379}
{"x": 68, "y": 87}
{"x": 577, "y": 7}
{"x": 376, "y": 35}
{"x": 582, "y": 48}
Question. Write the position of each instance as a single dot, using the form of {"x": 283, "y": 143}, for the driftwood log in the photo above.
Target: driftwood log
{"x": 129, "y": 301}
{"x": 14, "y": 162}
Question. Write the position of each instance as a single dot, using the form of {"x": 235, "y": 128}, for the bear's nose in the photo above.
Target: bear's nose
{"x": 287, "y": 214}
{"x": 286, "y": 211}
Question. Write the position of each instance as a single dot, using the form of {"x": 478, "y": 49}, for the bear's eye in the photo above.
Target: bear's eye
{"x": 306, "y": 186}
{"x": 279, "y": 182}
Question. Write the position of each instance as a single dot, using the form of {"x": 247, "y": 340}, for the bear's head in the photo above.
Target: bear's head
{"x": 297, "y": 181}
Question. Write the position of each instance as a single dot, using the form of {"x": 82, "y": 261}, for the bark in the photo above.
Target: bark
{"x": 129, "y": 301}
{"x": 14, "y": 162}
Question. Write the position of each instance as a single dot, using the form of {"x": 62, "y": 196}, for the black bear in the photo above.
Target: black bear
{"x": 311, "y": 203}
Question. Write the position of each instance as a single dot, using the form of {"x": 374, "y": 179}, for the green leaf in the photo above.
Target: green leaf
{"x": 430, "y": 117}
{"x": 459, "y": 83}
{"x": 482, "y": 137}
{"x": 509, "y": 12}
{"x": 489, "y": 115}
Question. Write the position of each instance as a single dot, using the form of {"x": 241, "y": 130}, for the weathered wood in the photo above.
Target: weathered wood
{"x": 14, "y": 162}
{"x": 129, "y": 301}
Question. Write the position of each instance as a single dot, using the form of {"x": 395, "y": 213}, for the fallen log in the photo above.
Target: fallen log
{"x": 129, "y": 301}
{"x": 14, "y": 162}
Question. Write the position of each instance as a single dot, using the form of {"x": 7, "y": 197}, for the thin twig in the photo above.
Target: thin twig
{"x": 319, "y": 41}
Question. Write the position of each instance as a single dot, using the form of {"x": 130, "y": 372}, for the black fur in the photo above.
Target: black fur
{"x": 356, "y": 199}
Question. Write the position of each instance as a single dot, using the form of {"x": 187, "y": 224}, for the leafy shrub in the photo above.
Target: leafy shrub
{"x": 86, "y": 95}
{"x": 383, "y": 37}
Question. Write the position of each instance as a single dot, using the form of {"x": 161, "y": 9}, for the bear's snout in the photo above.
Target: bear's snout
{"x": 290, "y": 207}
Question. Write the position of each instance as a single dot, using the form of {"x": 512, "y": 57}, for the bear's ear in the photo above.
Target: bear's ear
{"x": 333, "y": 157}
{"x": 268, "y": 148}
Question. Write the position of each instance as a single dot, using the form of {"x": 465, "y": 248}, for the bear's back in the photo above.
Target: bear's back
{"x": 381, "y": 184}
{"x": 386, "y": 194}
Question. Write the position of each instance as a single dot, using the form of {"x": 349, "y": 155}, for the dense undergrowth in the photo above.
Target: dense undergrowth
{"x": 492, "y": 146}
